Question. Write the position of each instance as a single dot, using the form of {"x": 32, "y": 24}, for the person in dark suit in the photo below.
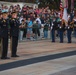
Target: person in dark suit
{"x": 14, "y": 33}
{"x": 4, "y": 22}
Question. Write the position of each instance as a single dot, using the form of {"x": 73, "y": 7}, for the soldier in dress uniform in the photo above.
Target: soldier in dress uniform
{"x": 69, "y": 30}
{"x": 4, "y": 35}
{"x": 53, "y": 28}
{"x": 14, "y": 33}
{"x": 61, "y": 28}
{"x": 74, "y": 21}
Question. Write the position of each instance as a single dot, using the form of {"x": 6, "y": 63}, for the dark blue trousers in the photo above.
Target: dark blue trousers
{"x": 53, "y": 35}
{"x": 69, "y": 32}
{"x": 61, "y": 36}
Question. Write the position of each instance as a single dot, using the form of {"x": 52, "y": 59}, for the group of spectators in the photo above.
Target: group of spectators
{"x": 35, "y": 22}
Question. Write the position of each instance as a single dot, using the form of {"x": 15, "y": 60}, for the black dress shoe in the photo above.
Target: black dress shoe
{"x": 61, "y": 42}
{"x": 5, "y": 58}
{"x": 52, "y": 41}
{"x": 14, "y": 56}
{"x": 69, "y": 42}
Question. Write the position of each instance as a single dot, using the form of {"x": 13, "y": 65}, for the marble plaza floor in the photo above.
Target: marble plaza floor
{"x": 41, "y": 58}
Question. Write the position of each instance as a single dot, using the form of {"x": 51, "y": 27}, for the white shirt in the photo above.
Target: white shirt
{"x": 39, "y": 21}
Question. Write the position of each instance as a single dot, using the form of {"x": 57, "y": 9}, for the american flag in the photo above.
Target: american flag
{"x": 65, "y": 3}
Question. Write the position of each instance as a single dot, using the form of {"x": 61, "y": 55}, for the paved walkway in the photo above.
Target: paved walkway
{"x": 38, "y": 49}
{"x": 60, "y": 66}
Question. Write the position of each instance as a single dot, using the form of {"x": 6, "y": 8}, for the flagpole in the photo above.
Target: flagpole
{"x": 61, "y": 9}
{"x": 72, "y": 4}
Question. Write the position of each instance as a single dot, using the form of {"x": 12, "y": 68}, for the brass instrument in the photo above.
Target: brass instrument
{"x": 71, "y": 24}
{"x": 62, "y": 23}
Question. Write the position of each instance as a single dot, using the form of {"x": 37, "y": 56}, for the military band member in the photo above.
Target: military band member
{"x": 74, "y": 21}
{"x": 14, "y": 33}
{"x": 61, "y": 28}
{"x": 53, "y": 28}
{"x": 69, "y": 30}
{"x": 4, "y": 35}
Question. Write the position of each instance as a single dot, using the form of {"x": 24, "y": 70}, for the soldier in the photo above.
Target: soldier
{"x": 14, "y": 33}
{"x": 69, "y": 30}
{"x": 74, "y": 21}
{"x": 61, "y": 28}
{"x": 53, "y": 28}
{"x": 4, "y": 35}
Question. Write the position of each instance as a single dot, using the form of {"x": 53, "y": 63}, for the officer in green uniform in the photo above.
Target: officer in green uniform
{"x": 14, "y": 34}
{"x": 4, "y": 35}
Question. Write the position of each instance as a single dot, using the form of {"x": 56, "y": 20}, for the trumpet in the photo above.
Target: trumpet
{"x": 72, "y": 22}
{"x": 71, "y": 25}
